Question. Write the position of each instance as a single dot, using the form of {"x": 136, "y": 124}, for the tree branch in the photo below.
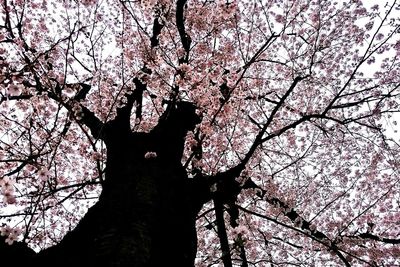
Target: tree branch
{"x": 327, "y": 243}
{"x": 376, "y": 238}
{"x": 221, "y": 231}
{"x": 157, "y": 27}
{"x": 124, "y": 113}
{"x": 235, "y": 171}
{"x": 180, "y": 23}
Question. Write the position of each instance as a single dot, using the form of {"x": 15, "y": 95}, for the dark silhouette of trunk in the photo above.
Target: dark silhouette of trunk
{"x": 147, "y": 210}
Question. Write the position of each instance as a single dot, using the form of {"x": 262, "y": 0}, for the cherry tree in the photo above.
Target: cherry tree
{"x": 199, "y": 133}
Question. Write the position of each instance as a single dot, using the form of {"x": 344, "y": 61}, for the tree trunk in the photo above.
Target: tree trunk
{"x": 146, "y": 213}
{"x": 145, "y": 217}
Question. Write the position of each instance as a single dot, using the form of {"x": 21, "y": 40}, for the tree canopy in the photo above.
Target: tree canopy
{"x": 263, "y": 132}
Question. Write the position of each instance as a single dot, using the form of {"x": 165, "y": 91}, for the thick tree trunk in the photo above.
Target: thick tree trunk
{"x": 144, "y": 217}
{"x": 147, "y": 210}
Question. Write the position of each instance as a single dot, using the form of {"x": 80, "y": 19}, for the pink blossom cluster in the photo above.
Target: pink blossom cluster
{"x": 150, "y": 155}
{"x": 43, "y": 174}
{"x": 14, "y": 89}
{"x": 12, "y": 234}
{"x": 240, "y": 231}
{"x": 7, "y": 189}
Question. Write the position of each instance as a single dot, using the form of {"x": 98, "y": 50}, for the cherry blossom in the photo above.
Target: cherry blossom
{"x": 43, "y": 174}
{"x": 14, "y": 90}
{"x": 150, "y": 155}
{"x": 12, "y": 234}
